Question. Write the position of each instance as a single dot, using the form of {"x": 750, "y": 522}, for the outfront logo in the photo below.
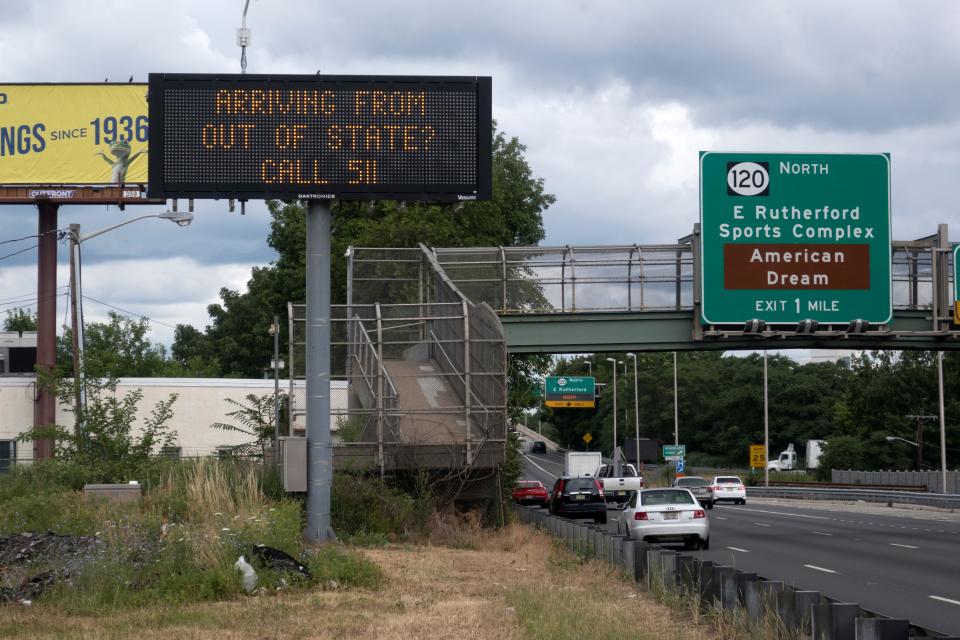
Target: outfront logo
{"x": 748, "y": 179}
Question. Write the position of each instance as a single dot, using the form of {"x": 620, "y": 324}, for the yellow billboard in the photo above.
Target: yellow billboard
{"x": 73, "y": 134}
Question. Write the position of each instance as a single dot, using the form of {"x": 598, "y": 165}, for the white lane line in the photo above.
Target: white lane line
{"x": 780, "y": 513}
{"x": 760, "y": 524}
{"x": 820, "y": 533}
{"x": 718, "y": 518}
{"x": 530, "y": 460}
{"x": 813, "y": 566}
{"x": 738, "y": 549}
{"x": 905, "y": 546}
{"x": 944, "y": 599}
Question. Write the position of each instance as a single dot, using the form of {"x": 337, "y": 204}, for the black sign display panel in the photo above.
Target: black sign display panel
{"x": 344, "y": 137}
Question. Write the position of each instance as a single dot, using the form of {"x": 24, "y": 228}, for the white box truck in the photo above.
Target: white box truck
{"x": 580, "y": 464}
{"x": 787, "y": 461}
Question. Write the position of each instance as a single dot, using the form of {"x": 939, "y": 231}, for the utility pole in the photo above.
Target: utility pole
{"x": 616, "y": 461}
{"x": 766, "y": 422}
{"x": 76, "y": 329}
{"x": 943, "y": 423}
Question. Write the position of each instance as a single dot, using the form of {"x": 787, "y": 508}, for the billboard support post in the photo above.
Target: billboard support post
{"x": 44, "y": 410}
{"x": 319, "y": 449}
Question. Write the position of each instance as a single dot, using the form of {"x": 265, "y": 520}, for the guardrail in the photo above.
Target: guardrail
{"x": 921, "y": 488}
{"x": 724, "y": 587}
{"x": 939, "y": 500}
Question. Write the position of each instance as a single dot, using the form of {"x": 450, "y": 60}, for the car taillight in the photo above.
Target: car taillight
{"x": 699, "y": 513}
{"x": 599, "y": 486}
{"x": 640, "y": 515}
{"x": 560, "y": 488}
{"x": 716, "y": 488}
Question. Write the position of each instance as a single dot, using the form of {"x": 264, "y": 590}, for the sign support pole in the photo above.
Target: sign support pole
{"x": 44, "y": 411}
{"x": 943, "y": 424}
{"x": 319, "y": 449}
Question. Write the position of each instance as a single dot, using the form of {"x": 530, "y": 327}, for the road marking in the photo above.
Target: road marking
{"x": 820, "y": 533}
{"x": 780, "y": 513}
{"x": 718, "y": 518}
{"x": 530, "y": 460}
{"x": 813, "y": 566}
{"x": 905, "y": 546}
{"x": 944, "y": 600}
{"x": 760, "y": 524}
{"x": 738, "y": 549}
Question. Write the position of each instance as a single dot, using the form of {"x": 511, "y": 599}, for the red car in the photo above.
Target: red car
{"x": 531, "y": 492}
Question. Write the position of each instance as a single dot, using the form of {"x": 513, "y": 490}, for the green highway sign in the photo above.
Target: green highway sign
{"x": 787, "y": 237}
{"x": 674, "y": 451}
{"x": 956, "y": 272}
{"x": 568, "y": 391}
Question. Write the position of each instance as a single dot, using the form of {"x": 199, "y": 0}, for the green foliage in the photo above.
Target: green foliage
{"x": 255, "y": 419}
{"x": 841, "y": 452}
{"x": 105, "y": 438}
{"x": 119, "y": 348}
{"x": 362, "y": 505}
{"x": 350, "y": 428}
{"x": 20, "y": 320}
{"x": 347, "y": 568}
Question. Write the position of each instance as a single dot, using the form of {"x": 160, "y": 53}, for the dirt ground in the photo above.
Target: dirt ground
{"x": 515, "y": 584}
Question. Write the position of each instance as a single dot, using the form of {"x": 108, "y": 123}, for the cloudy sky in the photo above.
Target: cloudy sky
{"x": 613, "y": 98}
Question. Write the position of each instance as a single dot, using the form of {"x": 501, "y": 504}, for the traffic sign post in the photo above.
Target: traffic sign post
{"x": 674, "y": 451}
{"x": 758, "y": 456}
{"x": 793, "y": 237}
{"x": 956, "y": 284}
{"x": 570, "y": 392}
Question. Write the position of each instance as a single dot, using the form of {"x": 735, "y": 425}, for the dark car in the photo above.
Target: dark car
{"x": 538, "y": 446}
{"x": 579, "y": 498}
{"x": 699, "y": 487}
{"x": 531, "y": 492}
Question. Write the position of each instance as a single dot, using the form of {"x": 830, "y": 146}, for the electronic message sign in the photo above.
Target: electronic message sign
{"x": 568, "y": 391}
{"x": 792, "y": 237}
{"x": 55, "y": 135}
{"x": 324, "y": 137}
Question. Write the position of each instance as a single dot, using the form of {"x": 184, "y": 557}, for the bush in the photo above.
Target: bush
{"x": 840, "y": 452}
{"x": 361, "y": 505}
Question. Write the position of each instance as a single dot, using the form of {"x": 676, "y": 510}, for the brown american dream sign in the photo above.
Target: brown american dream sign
{"x": 796, "y": 266}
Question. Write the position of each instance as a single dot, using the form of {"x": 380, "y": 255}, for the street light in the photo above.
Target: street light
{"x": 636, "y": 406}
{"x": 892, "y": 438}
{"x": 589, "y": 367}
{"x": 616, "y": 461}
{"x": 182, "y": 219}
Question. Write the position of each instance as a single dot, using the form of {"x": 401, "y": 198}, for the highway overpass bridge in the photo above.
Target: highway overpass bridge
{"x": 424, "y": 337}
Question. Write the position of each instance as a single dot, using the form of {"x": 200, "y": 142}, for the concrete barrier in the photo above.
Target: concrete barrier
{"x": 805, "y": 601}
{"x": 708, "y": 588}
{"x": 628, "y": 559}
{"x": 882, "y": 629}
{"x": 785, "y": 604}
{"x": 753, "y": 599}
{"x": 728, "y": 587}
{"x": 834, "y": 621}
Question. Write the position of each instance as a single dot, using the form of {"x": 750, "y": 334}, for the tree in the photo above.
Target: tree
{"x": 256, "y": 421}
{"x": 20, "y": 320}
{"x": 106, "y": 439}
{"x": 119, "y": 348}
{"x": 840, "y": 452}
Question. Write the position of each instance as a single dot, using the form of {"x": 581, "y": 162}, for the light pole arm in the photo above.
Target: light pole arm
{"x": 182, "y": 219}
{"x": 892, "y": 438}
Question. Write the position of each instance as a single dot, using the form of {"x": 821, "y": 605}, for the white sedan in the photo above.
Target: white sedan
{"x": 665, "y": 515}
{"x": 729, "y": 488}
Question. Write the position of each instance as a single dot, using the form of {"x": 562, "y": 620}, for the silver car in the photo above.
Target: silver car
{"x": 665, "y": 515}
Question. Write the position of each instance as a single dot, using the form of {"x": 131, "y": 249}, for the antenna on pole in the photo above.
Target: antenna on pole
{"x": 243, "y": 38}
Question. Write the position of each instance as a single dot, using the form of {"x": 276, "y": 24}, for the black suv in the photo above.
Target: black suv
{"x": 538, "y": 446}
{"x": 578, "y": 498}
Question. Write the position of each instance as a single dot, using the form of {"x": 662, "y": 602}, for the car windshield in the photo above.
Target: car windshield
{"x": 691, "y": 482}
{"x": 579, "y": 484}
{"x": 528, "y": 484}
{"x": 658, "y": 497}
{"x": 733, "y": 480}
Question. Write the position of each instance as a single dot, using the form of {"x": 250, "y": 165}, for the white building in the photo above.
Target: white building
{"x": 200, "y": 403}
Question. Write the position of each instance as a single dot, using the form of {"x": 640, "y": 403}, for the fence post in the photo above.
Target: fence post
{"x": 466, "y": 377}
{"x": 380, "y": 370}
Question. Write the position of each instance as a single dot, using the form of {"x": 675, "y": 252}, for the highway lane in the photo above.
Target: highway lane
{"x": 905, "y": 565}
{"x": 900, "y": 566}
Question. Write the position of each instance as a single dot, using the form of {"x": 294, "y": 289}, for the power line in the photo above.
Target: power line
{"x": 36, "y": 235}
{"x": 26, "y": 296}
{"x": 128, "y": 312}
{"x": 10, "y": 255}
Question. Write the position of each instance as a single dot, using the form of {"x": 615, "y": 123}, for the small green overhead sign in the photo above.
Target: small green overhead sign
{"x": 790, "y": 237}
{"x": 568, "y": 391}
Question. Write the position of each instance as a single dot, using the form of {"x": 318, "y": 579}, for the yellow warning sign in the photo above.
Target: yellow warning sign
{"x": 587, "y": 438}
{"x": 758, "y": 456}
{"x": 563, "y": 404}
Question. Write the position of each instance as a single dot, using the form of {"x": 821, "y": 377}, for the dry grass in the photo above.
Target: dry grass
{"x": 510, "y": 585}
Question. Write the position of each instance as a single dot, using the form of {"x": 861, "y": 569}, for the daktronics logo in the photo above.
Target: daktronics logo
{"x": 3, "y": 98}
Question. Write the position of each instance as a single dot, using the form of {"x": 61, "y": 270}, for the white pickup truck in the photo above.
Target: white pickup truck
{"x": 617, "y": 488}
